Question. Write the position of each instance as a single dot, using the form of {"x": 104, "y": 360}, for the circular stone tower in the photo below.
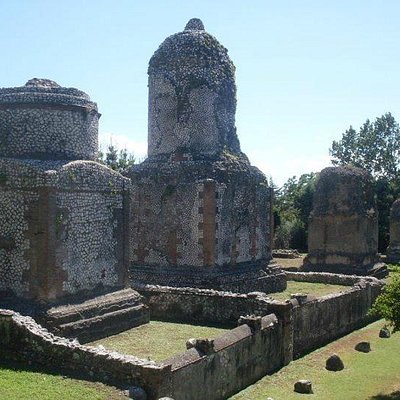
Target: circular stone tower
{"x": 201, "y": 214}
{"x": 393, "y": 251}
{"x": 45, "y": 121}
{"x": 192, "y": 96}
{"x": 343, "y": 225}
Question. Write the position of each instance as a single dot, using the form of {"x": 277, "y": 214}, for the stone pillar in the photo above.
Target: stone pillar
{"x": 393, "y": 251}
{"x": 343, "y": 225}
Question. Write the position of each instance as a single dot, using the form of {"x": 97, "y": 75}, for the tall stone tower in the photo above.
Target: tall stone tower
{"x": 201, "y": 214}
{"x": 343, "y": 224}
{"x": 63, "y": 217}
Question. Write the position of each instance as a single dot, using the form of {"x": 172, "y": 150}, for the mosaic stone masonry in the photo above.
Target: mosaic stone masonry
{"x": 343, "y": 225}
{"x": 62, "y": 221}
{"x": 201, "y": 214}
{"x": 393, "y": 251}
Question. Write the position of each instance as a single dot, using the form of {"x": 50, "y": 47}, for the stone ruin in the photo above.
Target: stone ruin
{"x": 63, "y": 216}
{"x": 393, "y": 251}
{"x": 200, "y": 213}
{"x": 343, "y": 224}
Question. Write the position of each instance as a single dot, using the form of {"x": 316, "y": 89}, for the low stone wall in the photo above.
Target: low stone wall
{"x": 317, "y": 322}
{"x": 201, "y": 305}
{"x": 328, "y": 278}
{"x": 241, "y": 357}
{"x": 22, "y": 339}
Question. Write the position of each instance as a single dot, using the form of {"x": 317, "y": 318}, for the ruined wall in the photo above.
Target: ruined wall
{"x": 22, "y": 339}
{"x": 393, "y": 251}
{"x": 241, "y": 357}
{"x": 320, "y": 321}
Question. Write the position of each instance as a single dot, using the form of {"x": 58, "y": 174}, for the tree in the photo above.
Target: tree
{"x": 387, "y": 304}
{"x": 118, "y": 160}
{"x": 292, "y": 208}
{"x": 375, "y": 148}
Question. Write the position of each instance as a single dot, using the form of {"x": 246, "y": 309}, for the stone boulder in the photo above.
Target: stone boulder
{"x": 384, "y": 333}
{"x": 334, "y": 363}
{"x": 303, "y": 386}
{"x": 363, "y": 347}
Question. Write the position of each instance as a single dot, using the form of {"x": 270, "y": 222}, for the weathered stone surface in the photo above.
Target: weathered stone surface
{"x": 62, "y": 220}
{"x": 253, "y": 321}
{"x": 137, "y": 393}
{"x": 201, "y": 214}
{"x": 343, "y": 225}
{"x": 334, "y": 363}
{"x": 303, "y": 386}
{"x": 393, "y": 251}
{"x": 384, "y": 333}
{"x": 363, "y": 347}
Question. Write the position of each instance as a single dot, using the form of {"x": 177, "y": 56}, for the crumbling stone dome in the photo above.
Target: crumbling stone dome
{"x": 192, "y": 95}
{"x": 43, "y": 120}
{"x": 344, "y": 190}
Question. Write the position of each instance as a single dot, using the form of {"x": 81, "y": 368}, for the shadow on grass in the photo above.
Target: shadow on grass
{"x": 392, "y": 396}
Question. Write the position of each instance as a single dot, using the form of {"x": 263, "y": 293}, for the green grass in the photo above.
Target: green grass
{"x": 373, "y": 376}
{"x": 157, "y": 340}
{"x": 315, "y": 289}
{"x": 17, "y": 383}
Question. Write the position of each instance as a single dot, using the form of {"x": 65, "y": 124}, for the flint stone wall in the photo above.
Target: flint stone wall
{"x": 393, "y": 251}
{"x": 62, "y": 226}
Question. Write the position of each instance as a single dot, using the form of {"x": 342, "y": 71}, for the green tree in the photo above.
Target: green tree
{"x": 387, "y": 304}
{"x": 375, "y": 148}
{"x": 118, "y": 160}
{"x": 293, "y": 204}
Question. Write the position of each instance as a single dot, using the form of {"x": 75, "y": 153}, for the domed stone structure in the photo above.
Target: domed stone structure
{"x": 43, "y": 120}
{"x": 343, "y": 224}
{"x": 201, "y": 213}
{"x": 192, "y": 96}
{"x": 393, "y": 251}
{"x": 62, "y": 221}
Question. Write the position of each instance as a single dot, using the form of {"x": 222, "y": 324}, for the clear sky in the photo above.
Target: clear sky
{"x": 305, "y": 70}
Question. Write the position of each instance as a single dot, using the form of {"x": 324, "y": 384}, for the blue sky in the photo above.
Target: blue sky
{"x": 306, "y": 69}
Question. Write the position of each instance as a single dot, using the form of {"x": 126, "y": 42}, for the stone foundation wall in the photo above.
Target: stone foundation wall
{"x": 317, "y": 322}
{"x": 242, "y": 356}
{"x": 22, "y": 339}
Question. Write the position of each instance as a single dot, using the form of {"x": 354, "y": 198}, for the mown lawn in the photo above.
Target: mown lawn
{"x": 315, "y": 289}
{"x": 31, "y": 384}
{"x": 373, "y": 376}
{"x": 157, "y": 340}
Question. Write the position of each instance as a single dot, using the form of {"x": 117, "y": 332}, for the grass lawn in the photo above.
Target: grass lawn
{"x": 31, "y": 384}
{"x": 316, "y": 289}
{"x": 373, "y": 376}
{"x": 157, "y": 340}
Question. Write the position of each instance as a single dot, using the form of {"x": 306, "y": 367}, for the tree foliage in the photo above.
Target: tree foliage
{"x": 293, "y": 204}
{"x": 118, "y": 160}
{"x": 387, "y": 304}
{"x": 375, "y": 148}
